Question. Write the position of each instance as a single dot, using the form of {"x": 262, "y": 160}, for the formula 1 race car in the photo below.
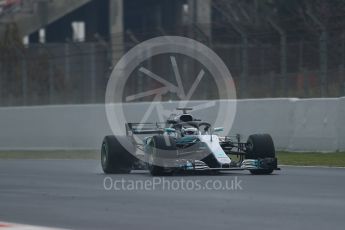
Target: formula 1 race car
{"x": 184, "y": 143}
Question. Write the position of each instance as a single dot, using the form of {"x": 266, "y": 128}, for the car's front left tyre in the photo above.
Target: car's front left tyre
{"x": 260, "y": 146}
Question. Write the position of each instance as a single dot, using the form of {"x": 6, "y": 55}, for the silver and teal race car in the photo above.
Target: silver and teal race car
{"x": 185, "y": 144}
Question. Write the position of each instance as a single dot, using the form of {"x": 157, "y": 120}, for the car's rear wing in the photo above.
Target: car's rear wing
{"x": 144, "y": 128}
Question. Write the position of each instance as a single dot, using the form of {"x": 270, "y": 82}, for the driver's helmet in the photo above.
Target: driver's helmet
{"x": 190, "y": 131}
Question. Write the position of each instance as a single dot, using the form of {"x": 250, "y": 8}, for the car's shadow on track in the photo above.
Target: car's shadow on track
{"x": 144, "y": 173}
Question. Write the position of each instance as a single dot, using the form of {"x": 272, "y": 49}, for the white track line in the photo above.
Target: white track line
{"x": 13, "y": 226}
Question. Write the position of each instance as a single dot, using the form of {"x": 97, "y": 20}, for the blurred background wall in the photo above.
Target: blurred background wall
{"x": 295, "y": 124}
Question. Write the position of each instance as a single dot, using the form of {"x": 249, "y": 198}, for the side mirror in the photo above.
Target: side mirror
{"x": 170, "y": 130}
{"x": 218, "y": 129}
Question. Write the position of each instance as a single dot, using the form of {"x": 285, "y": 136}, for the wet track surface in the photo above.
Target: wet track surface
{"x": 71, "y": 194}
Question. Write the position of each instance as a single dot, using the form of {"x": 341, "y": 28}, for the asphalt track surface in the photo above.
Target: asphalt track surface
{"x": 71, "y": 194}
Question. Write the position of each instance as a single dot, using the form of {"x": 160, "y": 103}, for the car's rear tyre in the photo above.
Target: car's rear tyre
{"x": 115, "y": 158}
{"x": 164, "y": 148}
{"x": 260, "y": 146}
